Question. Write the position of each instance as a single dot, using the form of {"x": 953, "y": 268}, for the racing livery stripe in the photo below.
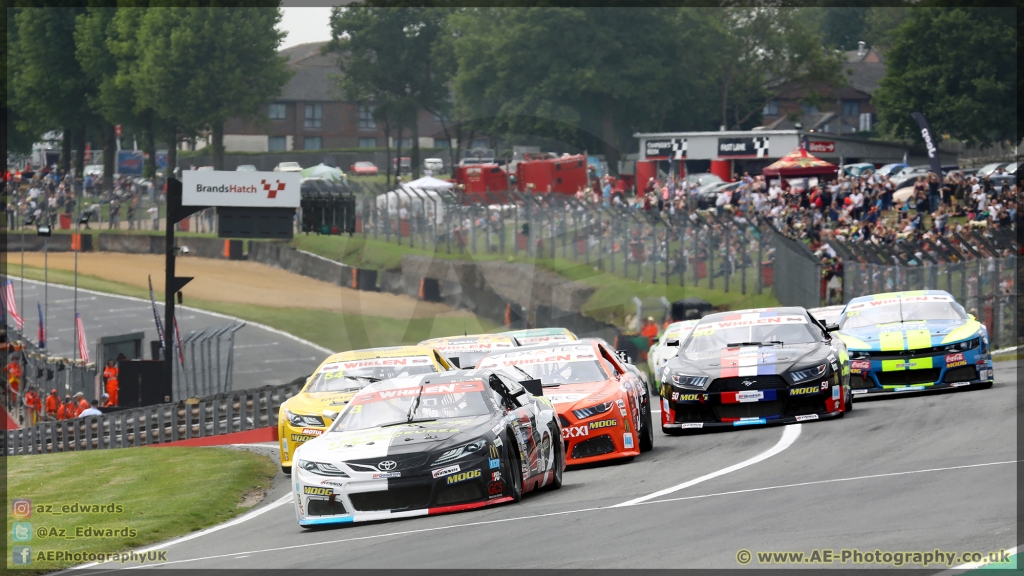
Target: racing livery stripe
{"x": 468, "y": 506}
{"x": 747, "y": 361}
{"x": 907, "y": 364}
{"x": 917, "y": 339}
{"x": 890, "y": 341}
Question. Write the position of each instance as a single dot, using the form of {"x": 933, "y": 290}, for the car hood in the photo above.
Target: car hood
{"x": 314, "y": 403}
{"x": 374, "y": 442}
{"x": 909, "y": 335}
{"x": 567, "y": 397}
{"x": 747, "y": 360}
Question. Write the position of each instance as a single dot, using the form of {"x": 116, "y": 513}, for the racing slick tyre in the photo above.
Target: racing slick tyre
{"x": 515, "y": 473}
{"x": 556, "y": 483}
{"x": 647, "y": 434}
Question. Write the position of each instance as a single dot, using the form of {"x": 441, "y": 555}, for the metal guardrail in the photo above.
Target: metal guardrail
{"x": 202, "y": 372}
{"x": 220, "y": 414}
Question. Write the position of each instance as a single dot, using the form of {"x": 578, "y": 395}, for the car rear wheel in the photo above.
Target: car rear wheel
{"x": 647, "y": 434}
{"x": 515, "y": 473}
{"x": 556, "y": 483}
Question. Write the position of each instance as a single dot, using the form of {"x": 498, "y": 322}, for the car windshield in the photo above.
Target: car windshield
{"x": 564, "y": 365}
{"x": 864, "y": 314}
{"x": 750, "y": 329}
{"x": 415, "y": 403}
{"x": 355, "y": 374}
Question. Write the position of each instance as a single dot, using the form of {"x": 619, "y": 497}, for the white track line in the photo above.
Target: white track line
{"x": 789, "y": 435}
{"x": 189, "y": 308}
{"x": 547, "y": 515}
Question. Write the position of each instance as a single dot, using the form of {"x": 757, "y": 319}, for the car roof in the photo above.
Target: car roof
{"x": 717, "y": 316}
{"x": 905, "y": 294}
{"x": 470, "y": 375}
{"x": 467, "y": 339}
{"x": 584, "y": 342}
{"x": 385, "y": 352}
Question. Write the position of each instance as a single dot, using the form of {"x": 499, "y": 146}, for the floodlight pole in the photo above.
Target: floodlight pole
{"x": 173, "y": 284}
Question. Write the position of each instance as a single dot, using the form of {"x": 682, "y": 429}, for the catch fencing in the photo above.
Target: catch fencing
{"x": 986, "y": 287}
{"x": 205, "y": 369}
{"x": 238, "y": 411}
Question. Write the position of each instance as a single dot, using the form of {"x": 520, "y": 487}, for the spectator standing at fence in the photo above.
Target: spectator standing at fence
{"x": 81, "y": 404}
{"x": 649, "y": 330}
{"x": 14, "y": 378}
{"x": 110, "y": 374}
{"x": 92, "y": 410}
{"x": 105, "y": 400}
{"x": 34, "y": 405}
{"x": 67, "y": 409}
{"x": 52, "y": 404}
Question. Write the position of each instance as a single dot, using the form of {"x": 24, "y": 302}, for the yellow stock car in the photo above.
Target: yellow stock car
{"x": 310, "y": 412}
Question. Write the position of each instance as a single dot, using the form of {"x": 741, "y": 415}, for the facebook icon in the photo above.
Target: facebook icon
{"x": 21, "y": 555}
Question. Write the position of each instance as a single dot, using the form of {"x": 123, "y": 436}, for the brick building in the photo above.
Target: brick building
{"x": 842, "y": 112}
{"x": 311, "y": 114}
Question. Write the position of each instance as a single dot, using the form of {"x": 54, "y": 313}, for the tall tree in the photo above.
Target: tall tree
{"x": 388, "y": 51}
{"x": 198, "y": 67}
{"x": 49, "y": 89}
{"x": 964, "y": 79}
{"x": 841, "y": 27}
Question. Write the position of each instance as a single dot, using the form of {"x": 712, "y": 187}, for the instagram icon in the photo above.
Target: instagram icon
{"x": 21, "y": 508}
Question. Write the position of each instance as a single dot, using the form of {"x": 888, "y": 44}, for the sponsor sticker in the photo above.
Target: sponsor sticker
{"x": 627, "y": 440}
{"x": 675, "y": 396}
{"x": 494, "y": 463}
{"x": 835, "y": 393}
{"x": 693, "y": 425}
{"x": 494, "y": 489}
{"x": 860, "y": 365}
{"x": 958, "y": 384}
{"x": 804, "y": 417}
{"x": 860, "y": 391}
{"x": 496, "y": 476}
{"x": 445, "y": 471}
{"x": 463, "y": 476}
{"x": 620, "y": 402}
{"x": 387, "y": 475}
{"x": 746, "y": 421}
{"x": 749, "y": 396}
{"x": 317, "y": 491}
{"x": 603, "y": 423}
{"x": 312, "y": 431}
{"x": 332, "y": 483}
{"x": 954, "y": 360}
{"x": 575, "y": 432}
{"x": 689, "y": 397}
{"x": 907, "y": 388}
{"x": 804, "y": 390}
{"x": 300, "y": 438}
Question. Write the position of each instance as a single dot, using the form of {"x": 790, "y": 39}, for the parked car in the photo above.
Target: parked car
{"x": 406, "y": 165}
{"x": 907, "y": 177}
{"x": 891, "y": 169}
{"x": 856, "y": 170}
{"x": 1000, "y": 181}
{"x": 363, "y": 169}
{"x": 246, "y": 168}
{"x": 1011, "y": 168}
{"x": 990, "y": 168}
{"x": 433, "y": 164}
{"x": 702, "y": 178}
{"x": 288, "y": 167}
{"x": 708, "y": 195}
{"x": 205, "y": 168}
{"x": 93, "y": 170}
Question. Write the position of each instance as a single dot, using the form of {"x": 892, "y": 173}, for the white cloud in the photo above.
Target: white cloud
{"x": 305, "y": 25}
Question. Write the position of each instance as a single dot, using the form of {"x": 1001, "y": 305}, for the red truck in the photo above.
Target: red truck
{"x": 539, "y": 173}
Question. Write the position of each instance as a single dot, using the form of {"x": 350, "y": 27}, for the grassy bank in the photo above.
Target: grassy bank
{"x": 157, "y": 493}
{"x": 331, "y": 330}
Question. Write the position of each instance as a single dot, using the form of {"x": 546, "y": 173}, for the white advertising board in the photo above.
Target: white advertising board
{"x": 241, "y": 189}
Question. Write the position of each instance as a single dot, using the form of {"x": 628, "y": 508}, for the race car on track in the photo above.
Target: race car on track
{"x": 428, "y": 445}
{"x": 604, "y": 408}
{"x": 828, "y": 314}
{"x": 532, "y": 336}
{"x": 466, "y": 351}
{"x": 668, "y": 344}
{"x": 302, "y": 417}
{"x": 907, "y": 341}
{"x": 772, "y": 365}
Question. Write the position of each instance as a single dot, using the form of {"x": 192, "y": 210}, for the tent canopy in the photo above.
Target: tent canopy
{"x": 429, "y": 183}
{"x": 322, "y": 171}
{"x": 799, "y": 163}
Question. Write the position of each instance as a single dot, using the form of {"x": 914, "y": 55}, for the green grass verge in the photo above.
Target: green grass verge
{"x": 162, "y": 493}
{"x": 332, "y": 330}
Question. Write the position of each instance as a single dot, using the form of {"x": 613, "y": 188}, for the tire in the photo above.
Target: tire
{"x": 286, "y": 469}
{"x": 848, "y": 405}
{"x": 556, "y": 483}
{"x": 647, "y": 437}
{"x": 515, "y": 474}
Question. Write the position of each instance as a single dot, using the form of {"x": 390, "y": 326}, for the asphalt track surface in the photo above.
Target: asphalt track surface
{"x": 912, "y": 473}
{"x": 262, "y": 356}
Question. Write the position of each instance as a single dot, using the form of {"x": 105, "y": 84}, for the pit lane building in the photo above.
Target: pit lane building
{"x": 726, "y": 153}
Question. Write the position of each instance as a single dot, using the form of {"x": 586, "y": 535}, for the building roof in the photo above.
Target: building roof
{"x": 315, "y": 78}
{"x": 866, "y": 68}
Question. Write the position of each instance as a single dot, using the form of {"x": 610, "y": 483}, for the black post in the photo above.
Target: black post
{"x": 172, "y": 284}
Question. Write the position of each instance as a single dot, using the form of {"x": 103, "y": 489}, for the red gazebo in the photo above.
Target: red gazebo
{"x": 798, "y": 164}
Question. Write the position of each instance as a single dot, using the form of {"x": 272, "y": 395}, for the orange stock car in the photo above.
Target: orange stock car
{"x": 604, "y": 409}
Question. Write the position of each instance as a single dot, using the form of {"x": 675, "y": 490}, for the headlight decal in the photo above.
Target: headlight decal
{"x": 303, "y": 419}
{"x": 460, "y": 451}
{"x": 809, "y": 373}
{"x": 689, "y": 381}
{"x": 585, "y": 413}
{"x": 322, "y": 468}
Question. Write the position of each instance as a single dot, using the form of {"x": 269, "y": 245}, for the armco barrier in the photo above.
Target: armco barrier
{"x": 131, "y": 243}
{"x": 33, "y": 243}
{"x": 237, "y": 411}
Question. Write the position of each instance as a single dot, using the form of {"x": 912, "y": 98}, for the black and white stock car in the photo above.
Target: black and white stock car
{"x": 429, "y": 444}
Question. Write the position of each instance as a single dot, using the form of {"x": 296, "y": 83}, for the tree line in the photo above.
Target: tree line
{"x": 162, "y": 73}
